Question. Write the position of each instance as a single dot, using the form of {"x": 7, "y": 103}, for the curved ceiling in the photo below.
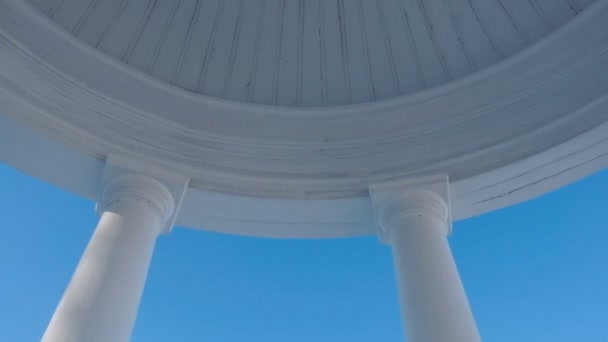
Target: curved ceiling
{"x": 514, "y": 110}
{"x": 310, "y": 53}
{"x": 520, "y": 128}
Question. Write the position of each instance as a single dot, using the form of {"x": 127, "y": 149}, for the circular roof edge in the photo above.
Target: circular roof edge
{"x": 51, "y": 161}
{"x": 78, "y": 119}
{"x": 520, "y": 107}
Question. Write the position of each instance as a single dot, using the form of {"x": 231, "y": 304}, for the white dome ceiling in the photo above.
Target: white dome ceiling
{"x": 532, "y": 120}
{"x": 310, "y": 53}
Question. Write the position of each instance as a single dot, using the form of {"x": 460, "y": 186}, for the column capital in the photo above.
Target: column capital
{"x": 137, "y": 187}
{"x": 126, "y": 178}
{"x": 399, "y": 200}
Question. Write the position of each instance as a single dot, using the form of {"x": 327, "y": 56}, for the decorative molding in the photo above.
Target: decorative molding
{"x": 124, "y": 177}
{"x": 522, "y": 128}
{"x": 396, "y": 201}
{"x": 140, "y": 188}
{"x": 511, "y": 111}
{"x": 35, "y": 154}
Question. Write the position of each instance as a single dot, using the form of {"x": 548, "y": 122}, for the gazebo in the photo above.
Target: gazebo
{"x": 298, "y": 119}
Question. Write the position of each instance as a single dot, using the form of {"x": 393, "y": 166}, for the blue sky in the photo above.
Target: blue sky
{"x": 533, "y": 272}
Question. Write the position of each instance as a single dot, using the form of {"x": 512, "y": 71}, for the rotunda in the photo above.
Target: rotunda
{"x": 298, "y": 119}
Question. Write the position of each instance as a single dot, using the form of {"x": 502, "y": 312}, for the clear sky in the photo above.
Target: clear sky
{"x": 533, "y": 272}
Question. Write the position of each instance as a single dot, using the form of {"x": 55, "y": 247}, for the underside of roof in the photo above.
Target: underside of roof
{"x": 310, "y": 53}
{"x": 283, "y": 113}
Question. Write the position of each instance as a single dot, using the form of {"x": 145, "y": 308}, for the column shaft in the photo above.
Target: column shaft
{"x": 415, "y": 222}
{"x": 433, "y": 301}
{"x": 101, "y": 301}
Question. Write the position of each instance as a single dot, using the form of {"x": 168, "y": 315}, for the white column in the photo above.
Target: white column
{"x": 433, "y": 300}
{"x": 102, "y": 299}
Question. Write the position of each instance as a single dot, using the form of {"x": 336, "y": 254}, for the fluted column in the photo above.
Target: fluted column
{"x": 102, "y": 299}
{"x": 433, "y": 301}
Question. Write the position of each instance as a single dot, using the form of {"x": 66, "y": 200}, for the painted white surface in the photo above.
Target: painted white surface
{"x": 102, "y": 299}
{"x": 116, "y": 166}
{"x": 525, "y": 126}
{"x": 309, "y": 53}
{"x": 282, "y": 125}
{"x": 37, "y": 155}
{"x": 522, "y": 106}
{"x": 433, "y": 301}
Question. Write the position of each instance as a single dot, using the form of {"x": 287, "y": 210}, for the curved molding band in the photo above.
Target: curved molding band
{"x": 65, "y": 167}
{"x": 527, "y": 126}
{"x": 509, "y": 112}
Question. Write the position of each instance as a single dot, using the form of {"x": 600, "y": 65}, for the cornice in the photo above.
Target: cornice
{"x": 65, "y": 167}
{"x": 499, "y": 133}
{"x": 505, "y": 114}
